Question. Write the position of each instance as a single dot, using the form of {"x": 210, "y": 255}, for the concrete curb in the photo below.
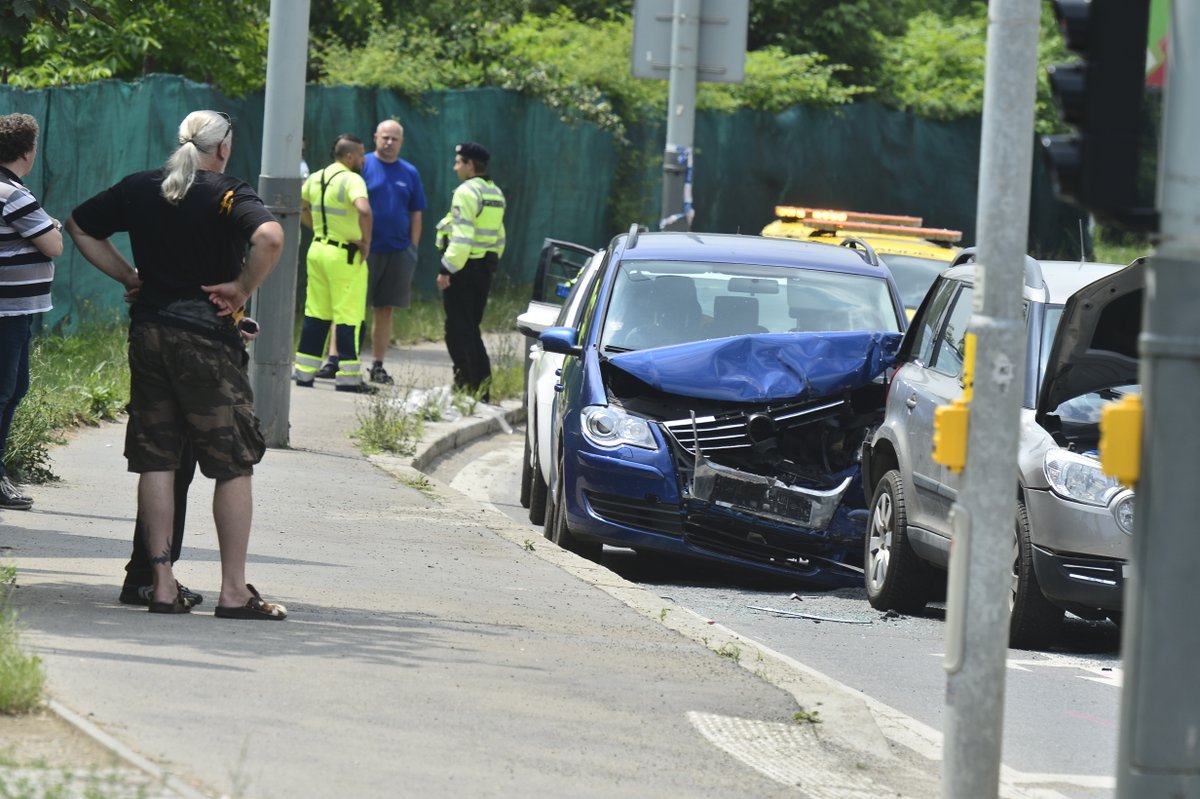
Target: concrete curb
{"x": 164, "y": 778}
{"x": 442, "y": 437}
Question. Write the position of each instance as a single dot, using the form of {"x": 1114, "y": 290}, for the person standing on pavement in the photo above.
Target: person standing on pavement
{"x": 471, "y": 238}
{"x": 138, "y": 588}
{"x": 334, "y": 205}
{"x": 397, "y": 206}
{"x": 202, "y": 242}
{"x": 29, "y": 239}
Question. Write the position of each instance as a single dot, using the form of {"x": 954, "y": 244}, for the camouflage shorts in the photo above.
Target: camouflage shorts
{"x": 184, "y": 385}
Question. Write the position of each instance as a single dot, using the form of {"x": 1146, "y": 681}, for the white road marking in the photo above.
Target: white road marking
{"x": 475, "y": 478}
{"x": 789, "y": 754}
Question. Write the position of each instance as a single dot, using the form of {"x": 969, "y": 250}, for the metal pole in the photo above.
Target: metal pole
{"x": 1158, "y": 754}
{"x": 984, "y": 516}
{"x": 681, "y": 116}
{"x": 279, "y": 186}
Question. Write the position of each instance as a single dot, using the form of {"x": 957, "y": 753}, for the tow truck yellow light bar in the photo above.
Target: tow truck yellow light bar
{"x": 832, "y": 221}
{"x": 830, "y": 215}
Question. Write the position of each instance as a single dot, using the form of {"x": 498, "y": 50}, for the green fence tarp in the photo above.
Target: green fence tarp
{"x": 563, "y": 180}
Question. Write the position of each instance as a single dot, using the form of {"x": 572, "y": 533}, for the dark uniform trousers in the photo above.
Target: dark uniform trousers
{"x": 464, "y": 302}
{"x": 139, "y": 571}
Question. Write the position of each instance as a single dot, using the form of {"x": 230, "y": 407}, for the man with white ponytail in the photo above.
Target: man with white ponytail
{"x": 202, "y": 242}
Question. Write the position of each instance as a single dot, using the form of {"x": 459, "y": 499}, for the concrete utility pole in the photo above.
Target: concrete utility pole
{"x": 983, "y": 518}
{"x": 1158, "y": 755}
{"x": 681, "y": 116}
{"x": 279, "y": 186}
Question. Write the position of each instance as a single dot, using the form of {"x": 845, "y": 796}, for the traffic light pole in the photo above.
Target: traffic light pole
{"x": 983, "y": 518}
{"x": 1158, "y": 754}
{"x": 274, "y": 304}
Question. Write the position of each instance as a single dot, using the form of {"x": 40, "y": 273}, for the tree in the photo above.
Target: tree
{"x": 70, "y": 41}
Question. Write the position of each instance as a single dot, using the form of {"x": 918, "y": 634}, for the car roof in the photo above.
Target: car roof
{"x": 732, "y": 248}
{"x": 1064, "y": 278}
{"x": 1059, "y": 279}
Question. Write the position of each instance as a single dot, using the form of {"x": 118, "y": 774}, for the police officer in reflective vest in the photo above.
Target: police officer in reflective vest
{"x": 335, "y": 205}
{"x": 471, "y": 237}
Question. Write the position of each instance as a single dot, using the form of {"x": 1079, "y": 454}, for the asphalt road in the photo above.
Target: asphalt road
{"x": 1061, "y": 706}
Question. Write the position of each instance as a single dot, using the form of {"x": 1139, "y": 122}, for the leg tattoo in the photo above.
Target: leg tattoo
{"x": 163, "y": 558}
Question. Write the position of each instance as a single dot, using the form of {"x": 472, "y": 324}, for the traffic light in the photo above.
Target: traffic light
{"x": 1097, "y": 166}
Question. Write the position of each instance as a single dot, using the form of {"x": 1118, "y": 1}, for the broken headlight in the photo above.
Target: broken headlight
{"x": 606, "y": 426}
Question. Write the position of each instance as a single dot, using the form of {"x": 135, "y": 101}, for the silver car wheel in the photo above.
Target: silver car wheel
{"x": 879, "y": 546}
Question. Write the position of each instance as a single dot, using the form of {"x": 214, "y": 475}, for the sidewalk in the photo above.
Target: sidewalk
{"x": 432, "y": 649}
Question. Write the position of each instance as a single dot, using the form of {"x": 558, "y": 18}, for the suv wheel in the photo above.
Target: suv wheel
{"x": 1035, "y": 622}
{"x": 896, "y": 578}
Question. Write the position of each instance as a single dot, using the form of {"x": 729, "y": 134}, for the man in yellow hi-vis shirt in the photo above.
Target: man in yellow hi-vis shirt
{"x": 334, "y": 204}
{"x": 471, "y": 237}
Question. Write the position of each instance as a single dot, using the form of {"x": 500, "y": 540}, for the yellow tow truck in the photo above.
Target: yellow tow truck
{"x": 914, "y": 254}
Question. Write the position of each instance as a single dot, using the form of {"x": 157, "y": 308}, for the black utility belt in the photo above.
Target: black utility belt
{"x": 351, "y": 249}
{"x": 489, "y": 259}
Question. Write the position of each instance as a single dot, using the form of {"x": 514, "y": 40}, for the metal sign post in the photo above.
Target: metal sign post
{"x": 686, "y": 41}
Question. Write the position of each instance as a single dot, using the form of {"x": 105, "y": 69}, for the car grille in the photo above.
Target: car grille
{"x": 656, "y": 517}
{"x": 743, "y": 429}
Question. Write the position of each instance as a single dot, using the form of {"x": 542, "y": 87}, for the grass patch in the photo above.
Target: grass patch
{"x": 807, "y": 717}
{"x": 74, "y": 380}
{"x": 22, "y": 680}
{"x": 385, "y": 424}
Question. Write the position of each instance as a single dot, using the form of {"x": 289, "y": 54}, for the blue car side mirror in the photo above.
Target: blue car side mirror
{"x": 562, "y": 340}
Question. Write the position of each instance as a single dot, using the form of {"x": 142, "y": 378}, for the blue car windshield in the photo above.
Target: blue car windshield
{"x": 666, "y": 303}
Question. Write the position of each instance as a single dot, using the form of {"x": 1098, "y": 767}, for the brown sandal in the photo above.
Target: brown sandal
{"x": 255, "y": 608}
{"x": 177, "y": 605}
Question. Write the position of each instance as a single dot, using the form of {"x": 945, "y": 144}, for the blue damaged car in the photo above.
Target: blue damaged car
{"x": 714, "y": 400}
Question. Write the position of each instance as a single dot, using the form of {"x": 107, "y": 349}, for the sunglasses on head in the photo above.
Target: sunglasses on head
{"x": 228, "y": 121}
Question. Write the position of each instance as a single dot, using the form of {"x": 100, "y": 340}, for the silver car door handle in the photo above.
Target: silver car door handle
{"x": 911, "y": 402}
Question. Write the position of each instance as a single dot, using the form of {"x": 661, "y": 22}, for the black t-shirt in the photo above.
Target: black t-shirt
{"x": 178, "y": 248}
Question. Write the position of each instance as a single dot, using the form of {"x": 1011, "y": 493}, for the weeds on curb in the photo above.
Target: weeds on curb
{"x": 807, "y": 717}
{"x": 386, "y": 425}
{"x": 22, "y": 680}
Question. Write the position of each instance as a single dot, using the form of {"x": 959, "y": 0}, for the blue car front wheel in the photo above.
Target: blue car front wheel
{"x": 560, "y": 533}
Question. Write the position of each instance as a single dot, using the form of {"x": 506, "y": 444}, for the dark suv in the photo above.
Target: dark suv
{"x": 1071, "y": 538}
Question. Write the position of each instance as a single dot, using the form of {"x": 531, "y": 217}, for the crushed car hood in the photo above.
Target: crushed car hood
{"x": 1095, "y": 346}
{"x": 764, "y": 367}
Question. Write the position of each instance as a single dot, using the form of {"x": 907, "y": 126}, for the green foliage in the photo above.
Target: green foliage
{"x": 927, "y": 56}
{"x": 427, "y": 62}
{"x": 776, "y": 81}
{"x": 579, "y": 66}
{"x": 80, "y": 379}
{"x": 936, "y": 67}
{"x": 158, "y": 36}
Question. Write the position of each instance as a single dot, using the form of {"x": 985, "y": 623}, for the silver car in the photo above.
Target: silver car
{"x": 1071, "y": 539}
